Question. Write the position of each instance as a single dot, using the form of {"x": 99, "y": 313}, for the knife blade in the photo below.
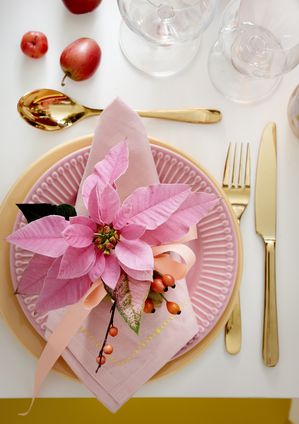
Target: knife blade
{"x": 265, "y": 225}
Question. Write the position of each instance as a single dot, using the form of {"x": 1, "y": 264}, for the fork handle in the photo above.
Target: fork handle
{"x": 270, "y": 333}
{"x": 233, "y": 333}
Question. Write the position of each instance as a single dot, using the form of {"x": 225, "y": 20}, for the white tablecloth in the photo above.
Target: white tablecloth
{"x": 214, "y": 373}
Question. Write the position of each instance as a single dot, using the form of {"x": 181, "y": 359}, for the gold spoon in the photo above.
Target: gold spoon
{"x": 51, "y": 110}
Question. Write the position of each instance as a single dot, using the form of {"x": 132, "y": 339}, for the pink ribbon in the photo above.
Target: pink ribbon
{"x": 77, "y": 313}
{"x": 61, "y": 337}
{"x": 163, "y": 261}
{"x": 164, "y": 264}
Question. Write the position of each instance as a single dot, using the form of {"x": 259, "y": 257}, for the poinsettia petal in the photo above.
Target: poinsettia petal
{"x": 144, "y": 275}
{"x": 97, "y": 270}
{"x": 114, "y": 164}
{"x": 135, "y": 254}
{"x": 132, "y": 231}
{"x": 78, "y": 235}
{"x": 83, "y": 220}
{"x": 191, "y": 211}
{"x": 151, "y": 206}
{"x": 57, "y": 293}
{"x": 103, "y": 204}
{"x": 34, "y": 275}
{"x": 107, "y": 171}
{"x": 89, "y": 183}
{"x": 77, "y": 262}
{"x": 94, "y": 208}
{"x": 111, "y": 272}
{"x": 43, "y": 236}
{"x": 109, "y": 204}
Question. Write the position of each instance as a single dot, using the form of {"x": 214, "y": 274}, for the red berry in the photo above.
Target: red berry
{"x": 108, "y": 349}
{"x": 168, "y": 280}
{"x": 101, "y": 360}
{"x": 173, "y": 308}
{"x": 157, "y": 286}
{"x": 113, "y": 331}
{"x": 34, "y": 44}
{"x": 149, "y": 306}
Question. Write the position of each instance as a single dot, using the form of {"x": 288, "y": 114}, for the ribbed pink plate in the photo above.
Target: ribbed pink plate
{"x": 210, "y": 281}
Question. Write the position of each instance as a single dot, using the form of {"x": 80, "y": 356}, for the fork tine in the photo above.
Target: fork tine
{"x": 247, "y": 168}
{"x": 240, "y": 173}
{"x": 226, "y": 176}
{"x": 233, "y": 177}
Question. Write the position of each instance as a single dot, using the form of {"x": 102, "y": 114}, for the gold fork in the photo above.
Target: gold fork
{"x": 236, "y": 185}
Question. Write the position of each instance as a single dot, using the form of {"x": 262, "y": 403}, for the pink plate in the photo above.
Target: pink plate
{"x": 211, "y": 281}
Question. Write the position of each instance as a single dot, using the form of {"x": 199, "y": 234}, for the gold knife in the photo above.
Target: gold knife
{"x": 265, "y": 225}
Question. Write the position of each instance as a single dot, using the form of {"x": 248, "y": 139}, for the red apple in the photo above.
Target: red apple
{"x": 34, "y": 44}
{"x": 80, "y": 59}
{"x": 81, "y": 6}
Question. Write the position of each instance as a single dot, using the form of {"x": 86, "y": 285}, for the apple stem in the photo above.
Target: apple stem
{"x": 64, "y": 77}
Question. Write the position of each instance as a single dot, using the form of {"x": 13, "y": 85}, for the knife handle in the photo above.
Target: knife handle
{"x": 270, "y": 333}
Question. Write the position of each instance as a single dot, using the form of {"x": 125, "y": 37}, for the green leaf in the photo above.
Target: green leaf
{"x": 65, "y": 210}
{"x": 33, "y": 211}
{"x": 130, "y": 313}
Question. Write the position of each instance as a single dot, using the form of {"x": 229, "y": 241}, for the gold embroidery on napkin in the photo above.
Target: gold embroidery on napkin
{"x": 91, "y": 337}
{"x": 141, "y": 345}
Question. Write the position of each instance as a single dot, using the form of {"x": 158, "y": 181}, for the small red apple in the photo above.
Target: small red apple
{"x": 34, "y": 44}
{"x": 81, "y": 6}
{"x": 80, "y": 59}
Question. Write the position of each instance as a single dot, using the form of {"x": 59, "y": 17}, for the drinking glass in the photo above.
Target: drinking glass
{"x": 161, "y": 37}
{"x": 293, "y": 111}
{"x": 257, "y": 44}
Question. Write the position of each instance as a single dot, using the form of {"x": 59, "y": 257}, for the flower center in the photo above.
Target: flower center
{"x": 106, "y": 238}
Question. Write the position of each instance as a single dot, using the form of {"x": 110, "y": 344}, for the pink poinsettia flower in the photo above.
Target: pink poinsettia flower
{"x": 114, "y": 237}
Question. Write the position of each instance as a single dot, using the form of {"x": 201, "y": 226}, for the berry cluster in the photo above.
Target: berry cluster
{"x": 159, "y": 286}
{"x": 107, "y": 348}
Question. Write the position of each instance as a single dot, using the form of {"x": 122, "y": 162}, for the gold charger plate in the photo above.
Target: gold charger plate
{"x": 9, "y": 305}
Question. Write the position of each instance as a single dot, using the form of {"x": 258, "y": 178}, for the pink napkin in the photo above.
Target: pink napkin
{"x": 117, "y": 123}
{"x": 135, "y": 359}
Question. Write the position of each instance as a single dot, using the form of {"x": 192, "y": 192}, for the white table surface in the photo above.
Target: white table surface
{"x": 214, "y": 373}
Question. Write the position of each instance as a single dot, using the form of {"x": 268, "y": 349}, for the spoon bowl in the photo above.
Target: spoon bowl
{"x": 52, "y": 110}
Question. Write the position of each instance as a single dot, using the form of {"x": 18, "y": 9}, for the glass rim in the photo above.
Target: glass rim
{"x": 158, "y": 3}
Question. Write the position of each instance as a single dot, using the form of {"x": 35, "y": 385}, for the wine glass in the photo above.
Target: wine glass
{"x": 258, "y": 43}
{"x": 161, "y": 37}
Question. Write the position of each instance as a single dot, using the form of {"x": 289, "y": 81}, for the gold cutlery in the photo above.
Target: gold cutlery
{"x": 265, "y": 225}
{"x": 51, "y": 110}
{"x": 236, "y": 185}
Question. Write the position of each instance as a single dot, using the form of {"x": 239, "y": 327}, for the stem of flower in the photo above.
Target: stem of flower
{"x": 112, "y": 311}
{"x": 163, "y": 297}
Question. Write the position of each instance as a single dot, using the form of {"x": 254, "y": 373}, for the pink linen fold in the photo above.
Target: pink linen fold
{"x": 117, "y": 123}
{"x": 135, "y": 359}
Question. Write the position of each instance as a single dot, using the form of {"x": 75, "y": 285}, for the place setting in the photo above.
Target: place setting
{"x": 121, "y": 255}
